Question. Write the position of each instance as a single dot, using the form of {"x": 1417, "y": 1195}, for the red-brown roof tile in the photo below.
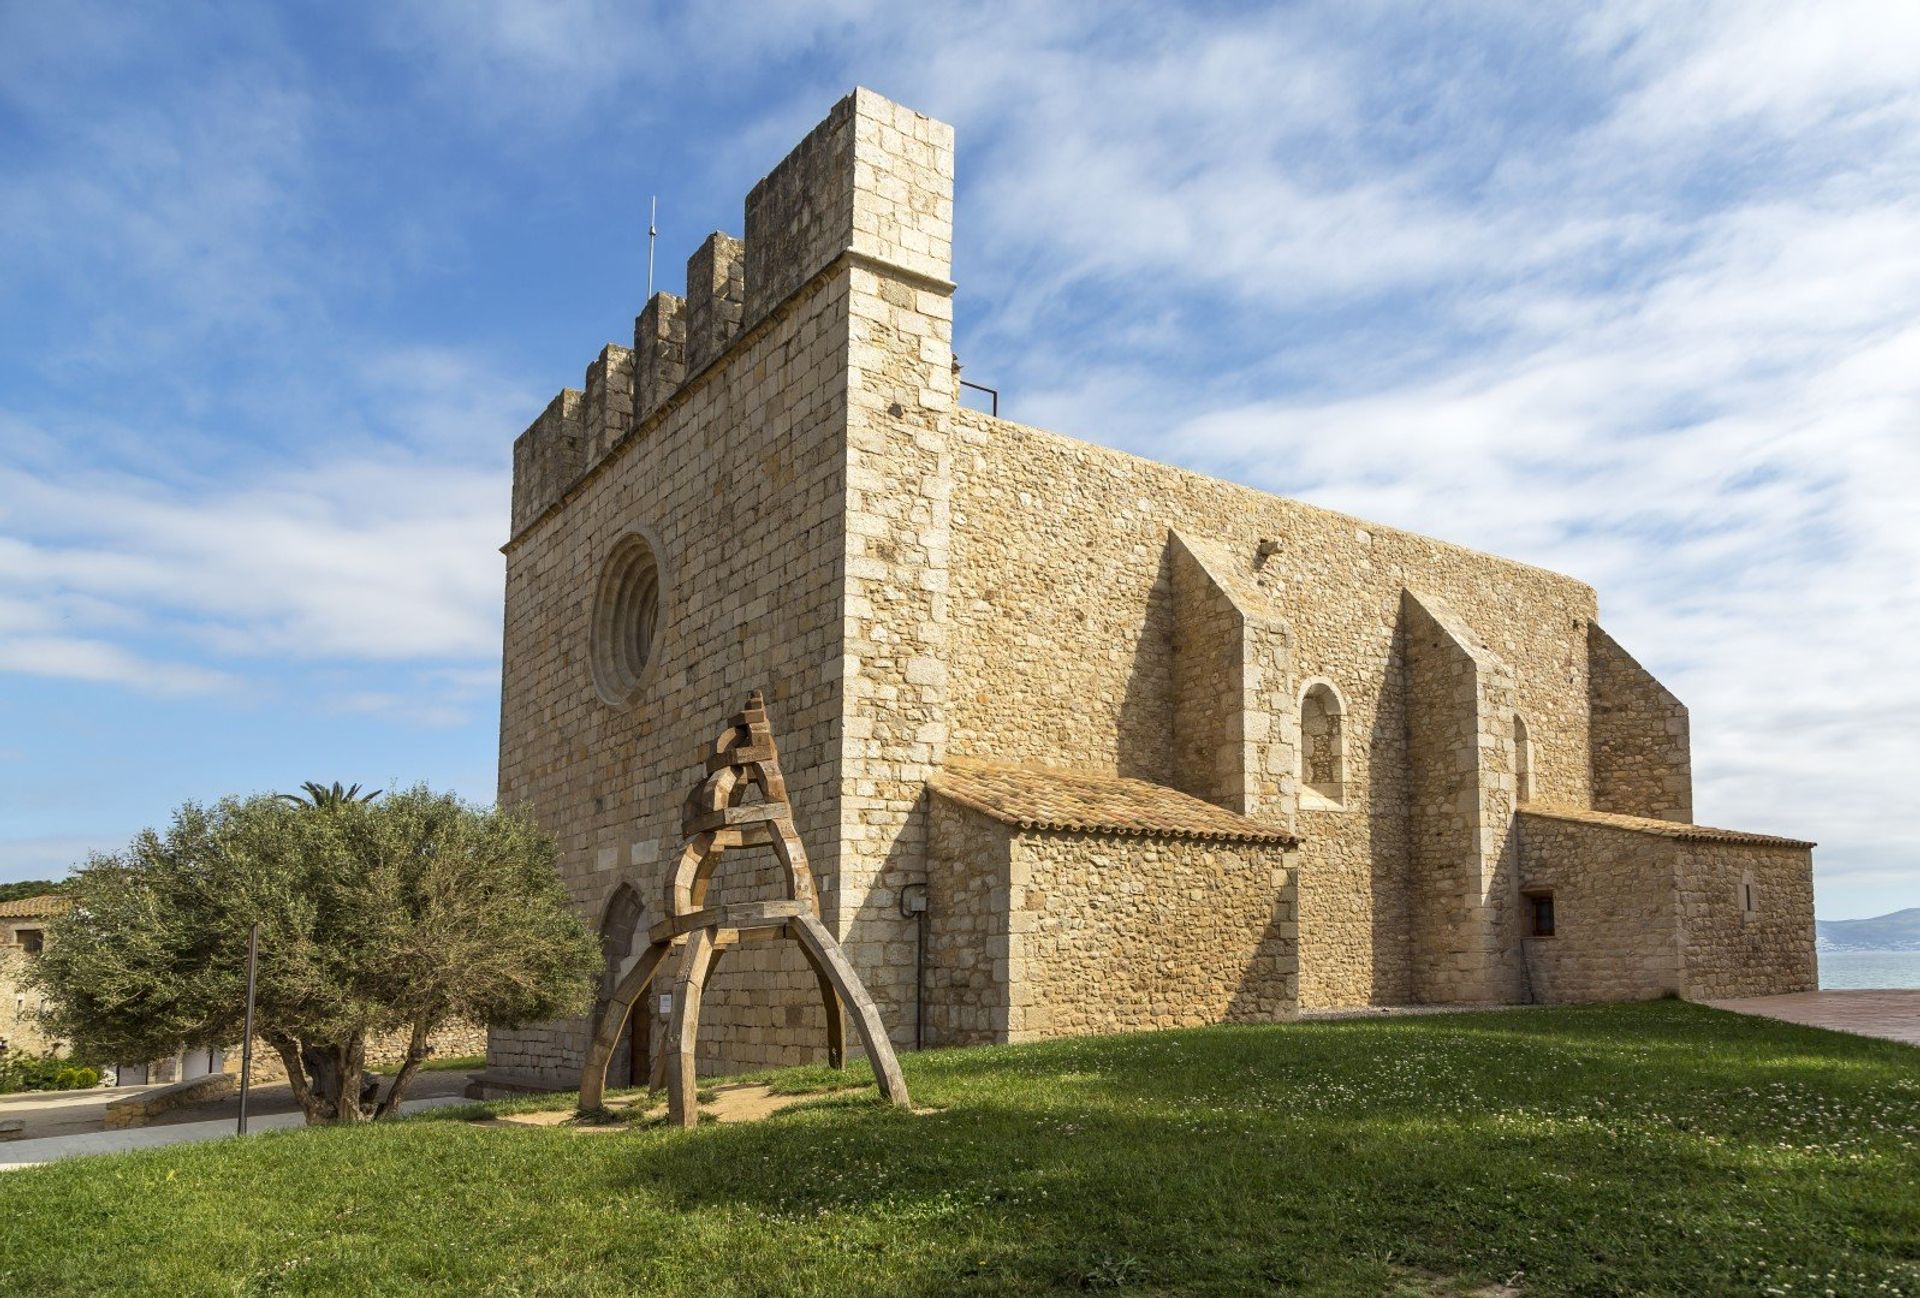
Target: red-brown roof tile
{"x": 1032, "y": 797}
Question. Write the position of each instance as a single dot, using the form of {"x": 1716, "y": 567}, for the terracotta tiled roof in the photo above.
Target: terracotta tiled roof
{"x": 1034, "y": 797}
{"x": 1664, "y": 828}
{"x": 46, "y": 904}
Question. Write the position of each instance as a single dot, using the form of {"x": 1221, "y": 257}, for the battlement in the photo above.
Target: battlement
{"x": 548, "y": 457}
{"x": 660, "y": 353}
{"x": 607, "y": 408}
{"x": 716, "y": 295}
{"x": 873, "y": 182}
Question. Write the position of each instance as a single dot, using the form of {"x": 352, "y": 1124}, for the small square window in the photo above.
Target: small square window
{"x": 1539, "y": 914}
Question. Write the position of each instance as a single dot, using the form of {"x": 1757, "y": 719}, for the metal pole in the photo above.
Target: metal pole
{"x": 653, "y": 219}
{"x": 920, "y": 981}
{"x": 913, "y": 901}
{"x": 246, "y": 1041}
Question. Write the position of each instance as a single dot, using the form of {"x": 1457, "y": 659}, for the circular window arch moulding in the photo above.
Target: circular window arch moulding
{"x": 629, "y": 618}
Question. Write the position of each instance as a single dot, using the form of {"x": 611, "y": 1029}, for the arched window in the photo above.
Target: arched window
{"x": 1522, "y": 760}
{"x": 1323, "y": 757}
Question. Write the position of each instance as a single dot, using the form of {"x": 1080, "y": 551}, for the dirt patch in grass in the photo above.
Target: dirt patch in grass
{"x": 741, "y": 1102}
{"x": 732, "y": 1102}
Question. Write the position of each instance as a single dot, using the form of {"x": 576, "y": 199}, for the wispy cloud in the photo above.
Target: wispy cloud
{"x": 323, "y": 561}
{"x": 1628, "y": 291}
{"x": 72, "y": 658}
{"x": 1679, "y": 357}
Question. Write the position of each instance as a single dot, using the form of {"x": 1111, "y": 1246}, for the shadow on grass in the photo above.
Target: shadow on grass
{"x": 1216, "y": 1161}
{"x": 1654, "y": 1149}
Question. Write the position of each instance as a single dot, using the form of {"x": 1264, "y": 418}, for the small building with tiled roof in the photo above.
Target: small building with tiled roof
{"x": 45, "y": 906}
{"x": 1075, "y": 902}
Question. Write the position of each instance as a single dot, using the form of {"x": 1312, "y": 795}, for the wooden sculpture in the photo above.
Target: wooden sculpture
{"x": 718, "y": 817}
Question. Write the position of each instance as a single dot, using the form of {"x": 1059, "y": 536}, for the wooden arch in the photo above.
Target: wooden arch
{"x": 717, "y": 817}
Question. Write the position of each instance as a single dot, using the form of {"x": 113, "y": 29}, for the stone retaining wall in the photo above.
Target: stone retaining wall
{"x": 385, "y": 1051}
{"x": 139, "y": 1110}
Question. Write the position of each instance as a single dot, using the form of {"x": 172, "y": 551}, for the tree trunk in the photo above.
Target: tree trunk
{"x": 323, "y": 1075}
{"x": 293, "y": 1055}
{"x": 416, "y": 1052}
{"x": 350, "y": 1058}
{"x": 331, "y": 1076}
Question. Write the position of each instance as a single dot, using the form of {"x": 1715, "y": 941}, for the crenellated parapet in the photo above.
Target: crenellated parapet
{"x": 607, "y": 409}
{"x": 716, "y": 295}
{"x": 659, "y": 353}
{"x": 548, "y": 457}
{"x": 871, "y": 185}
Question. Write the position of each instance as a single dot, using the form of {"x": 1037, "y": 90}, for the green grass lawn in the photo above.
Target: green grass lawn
{"x": 1660, "y": 1149}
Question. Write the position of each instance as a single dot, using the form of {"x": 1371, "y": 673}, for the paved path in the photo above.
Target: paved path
{"x": 70, "y": 1113}
{"x": 62, "y": 1113}
{"x": 31, "y": 1153}
{"x": 1892, "y": 1014}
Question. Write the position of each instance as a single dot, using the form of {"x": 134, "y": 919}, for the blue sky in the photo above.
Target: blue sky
{"x": 1632, "y": 292}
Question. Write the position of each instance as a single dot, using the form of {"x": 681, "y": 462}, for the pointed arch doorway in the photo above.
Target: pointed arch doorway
{"x": 631, "y": 1062}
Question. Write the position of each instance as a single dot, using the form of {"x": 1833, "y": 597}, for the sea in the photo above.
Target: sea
{"x": 1870, "y": 969}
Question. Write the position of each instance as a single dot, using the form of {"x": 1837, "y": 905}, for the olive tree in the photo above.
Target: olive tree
{"x": 375, "y": 917}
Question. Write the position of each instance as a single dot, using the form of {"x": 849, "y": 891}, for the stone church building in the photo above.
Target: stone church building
{"x": 1077, "y": 742}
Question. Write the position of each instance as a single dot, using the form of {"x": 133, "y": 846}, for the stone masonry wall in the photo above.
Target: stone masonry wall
{"x": 740, "y": 479}
{"x": 19, "y": 1007}
{"x": 1642, "y": 748}
{"x": 895, "y": 634}
{"x": 1062, "y": 649}
{"x": 1460, "y": 708}
{"x": 1123, "y": 933}
{"x": 548, "y": 457}
{"x": 967, "y": 868}
{"x": 1615, "y": 925}
{"x": 1206, "y": 664}
{"x": 385, "y": 1051}
{"x": 795, "y": 488}
{"x": 1730, "y": 951}
{"x": 1234, "y": 723}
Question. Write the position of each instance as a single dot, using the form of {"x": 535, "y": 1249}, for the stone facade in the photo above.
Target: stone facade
{"x": 23, "y": 927}
{"x": 1113, "y": 935}
{"x": 915, "y": 584}
{"x": 1615, "y": 907}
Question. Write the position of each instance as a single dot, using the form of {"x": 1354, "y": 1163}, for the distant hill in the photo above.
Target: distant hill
{"x": 1899, "y": 931}
{"x": 28, "y": 888}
